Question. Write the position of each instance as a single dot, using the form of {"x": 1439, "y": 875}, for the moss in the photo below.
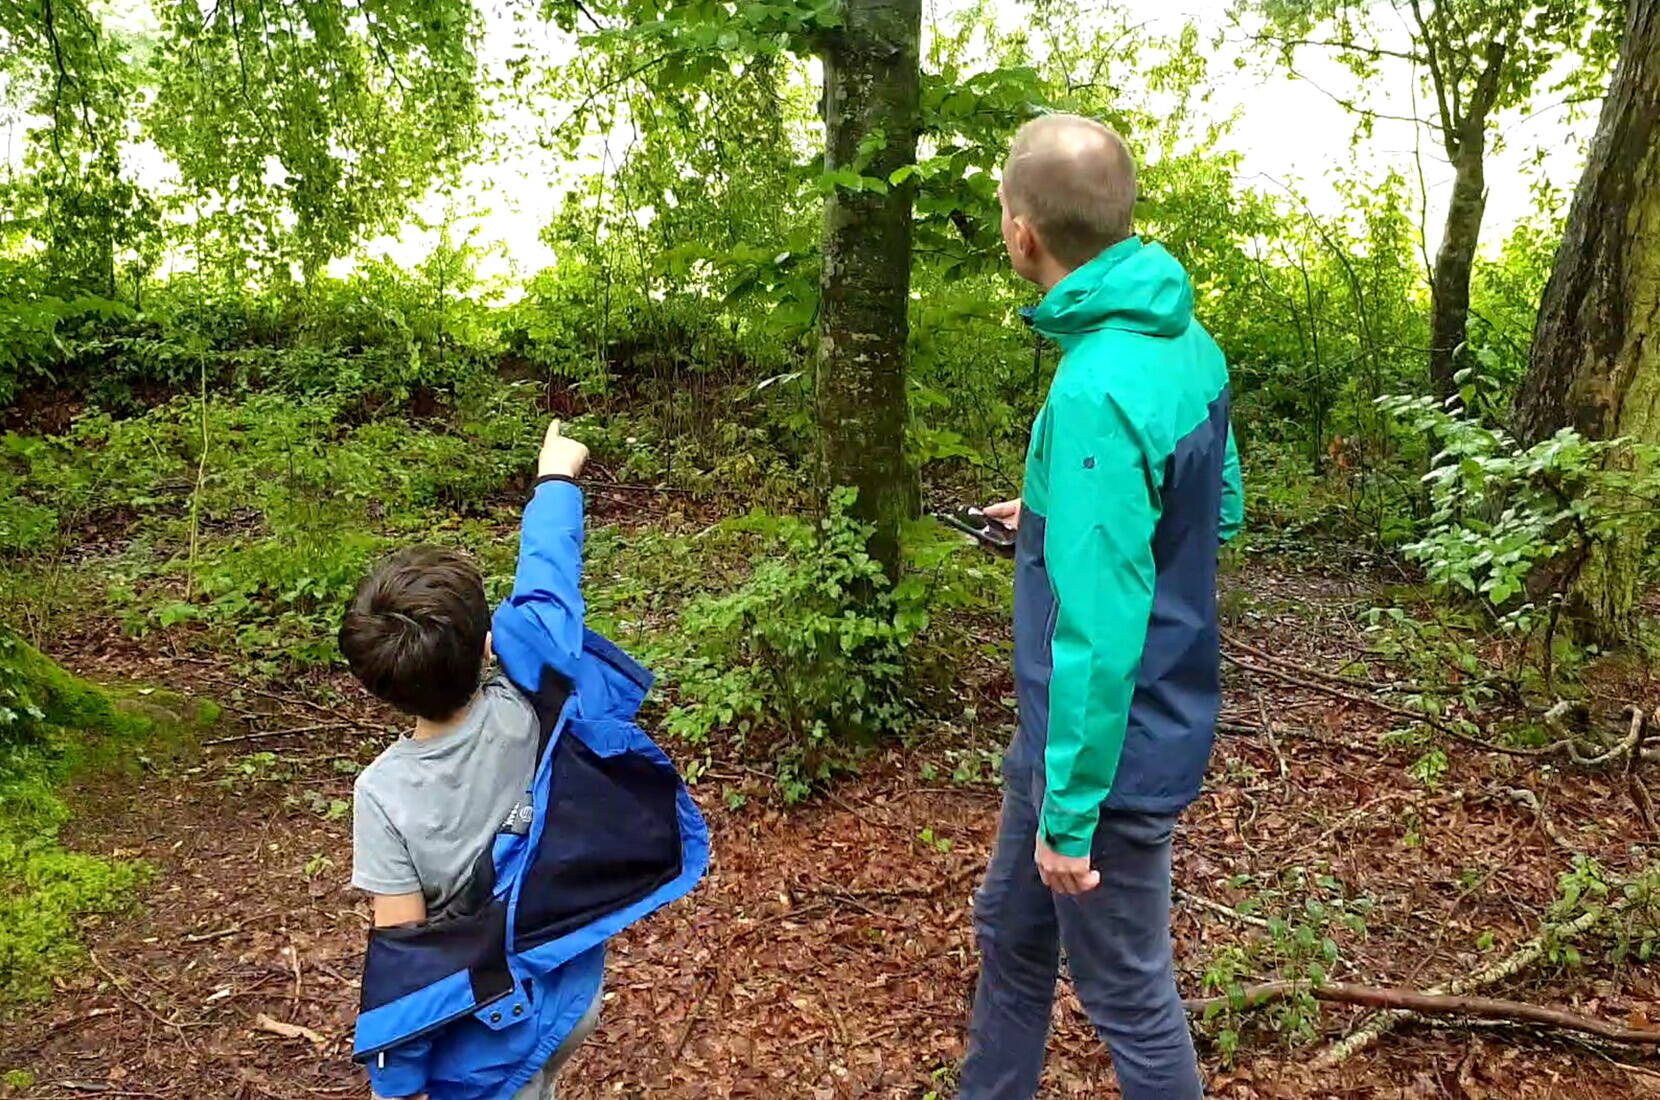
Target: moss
{"x": 53, "y": 726}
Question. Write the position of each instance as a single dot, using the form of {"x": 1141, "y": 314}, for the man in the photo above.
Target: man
{"x": 1132, "y": 483}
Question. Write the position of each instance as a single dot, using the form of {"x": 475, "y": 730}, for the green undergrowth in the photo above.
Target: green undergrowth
{"x": 54, "y": 727}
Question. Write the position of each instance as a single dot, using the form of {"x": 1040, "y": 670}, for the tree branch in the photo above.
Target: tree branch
{"x": 1487, "y": 88}
{"x": 1351, "y": 47}
{"x": 1449, "y": 121}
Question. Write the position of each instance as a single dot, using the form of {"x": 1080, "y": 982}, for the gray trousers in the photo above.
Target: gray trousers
{"x": 540, "y": 1087}
{"x": 1118, "y": 952}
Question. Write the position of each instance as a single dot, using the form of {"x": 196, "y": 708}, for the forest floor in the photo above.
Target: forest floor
{"x": 830, "y": 952}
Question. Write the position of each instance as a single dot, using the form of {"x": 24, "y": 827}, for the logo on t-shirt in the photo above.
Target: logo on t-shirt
{"x": 520, "y": 816}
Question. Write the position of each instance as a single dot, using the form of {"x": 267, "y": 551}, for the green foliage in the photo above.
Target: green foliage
{"x": 1305, "y": 913}
{"x": 788, "y": 651}
{"x": 1629, "y": 902}
{"x": 1505, "y": 516}
{"x": 785, "y": 666}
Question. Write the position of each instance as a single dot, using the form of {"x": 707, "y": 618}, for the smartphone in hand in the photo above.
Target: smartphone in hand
{"x": 988, "y": 532}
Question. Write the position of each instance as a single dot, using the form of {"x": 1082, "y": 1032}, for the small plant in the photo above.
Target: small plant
{"x": 254, "y": 768}
{"x": 329, "y": 809}
{"x": 1305, "y": 913}
{"x": 941, "y": 845}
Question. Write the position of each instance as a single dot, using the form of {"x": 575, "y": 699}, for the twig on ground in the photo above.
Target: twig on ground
{"x": 262, "y": 1022}
{"x": 1252, "y": 729}
{"x": 1273, "y": 742}
{"x": 294, "y": 958}
{"x": 294, "y": 732}
{"x": 1446, "y": 922}
{"x": 1524, "y": 797}
{"x": 1639, "y": 793}
{"x": 231, "y": 930}
{"x": 1412, "y": 1001}
{"x": 126, "y": 995}
{"x": 1223, "y": 910}
{"x": 1318, "y": 673}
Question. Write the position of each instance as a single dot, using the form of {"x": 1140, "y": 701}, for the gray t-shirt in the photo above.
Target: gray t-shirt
{"x": 425, "y": 809}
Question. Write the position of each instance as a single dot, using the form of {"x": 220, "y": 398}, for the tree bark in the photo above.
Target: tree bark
{"x": 1595, "y": 365}
{"x": 1450, "y": 288}
{"x": 871, "y": 94}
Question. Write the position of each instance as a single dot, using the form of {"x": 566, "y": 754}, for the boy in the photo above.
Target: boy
{"x": 522, "y": 822}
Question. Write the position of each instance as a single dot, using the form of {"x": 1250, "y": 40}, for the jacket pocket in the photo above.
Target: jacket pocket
{"x": 610, "y": 837}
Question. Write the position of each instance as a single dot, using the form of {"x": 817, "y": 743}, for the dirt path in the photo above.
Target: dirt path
{"x": 829, "y": 954}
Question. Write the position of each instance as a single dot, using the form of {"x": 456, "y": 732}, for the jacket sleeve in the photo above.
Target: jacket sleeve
{"x": 1098, "y": 544}
{"x": 1233, "y": 493}
{"x": 540, "y": 625}
{"x": 401, "y": 1071}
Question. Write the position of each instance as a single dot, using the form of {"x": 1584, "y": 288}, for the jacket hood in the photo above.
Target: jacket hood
{"x": 1133, "y": 286}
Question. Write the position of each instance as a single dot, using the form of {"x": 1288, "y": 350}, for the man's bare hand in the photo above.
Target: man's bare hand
{"x": 561, "y": 457}
{"x": 1065, "y": 874}
{"x": 1006, "y": 513}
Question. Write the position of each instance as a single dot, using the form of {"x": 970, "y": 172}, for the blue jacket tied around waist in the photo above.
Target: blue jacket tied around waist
{"x": 468, "y": 1006}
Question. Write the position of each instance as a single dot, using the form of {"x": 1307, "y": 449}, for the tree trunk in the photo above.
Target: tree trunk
{"x": 1596, "y": 351}
{"x": 871, "y": 92}
{"x": 1450, "y": 305}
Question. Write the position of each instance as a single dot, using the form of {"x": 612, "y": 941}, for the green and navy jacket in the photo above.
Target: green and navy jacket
{"x": 469, "y": 1005}
{"x": 1132, "y": 483}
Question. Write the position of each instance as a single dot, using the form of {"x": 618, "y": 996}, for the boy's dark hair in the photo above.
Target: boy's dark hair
{"x": 414, "y": 632}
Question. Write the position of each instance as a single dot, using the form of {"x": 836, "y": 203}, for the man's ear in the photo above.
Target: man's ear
{"x": 1026, "y": 240}
{"x": 489, "y": 648}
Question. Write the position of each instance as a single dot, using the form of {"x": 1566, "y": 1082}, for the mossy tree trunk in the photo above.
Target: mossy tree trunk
{"x": 1464, "y": 134}
{"x": 1596, "y": 352}
{"x": 871, "y": 93}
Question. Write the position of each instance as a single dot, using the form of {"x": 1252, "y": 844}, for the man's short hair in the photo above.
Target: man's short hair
{"x": 1074, "y": 180}
{"x": 414, "y": 633}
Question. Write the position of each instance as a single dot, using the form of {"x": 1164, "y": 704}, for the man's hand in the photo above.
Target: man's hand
{"x": 1065, "y": 874}
{"x": 561, "y": 457}
{"x": 1006, "y": 513}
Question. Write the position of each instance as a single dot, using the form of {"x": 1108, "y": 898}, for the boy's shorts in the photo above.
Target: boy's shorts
{"x": 540, "y": 1087}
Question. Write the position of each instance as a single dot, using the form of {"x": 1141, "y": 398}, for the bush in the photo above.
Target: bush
{"x": 816, "y": 649}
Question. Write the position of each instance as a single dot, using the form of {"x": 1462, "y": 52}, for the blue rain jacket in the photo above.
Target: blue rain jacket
{"x": 469, "y": 1005}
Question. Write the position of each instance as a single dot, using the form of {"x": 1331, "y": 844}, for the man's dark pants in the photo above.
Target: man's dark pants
{"x": 1118, "y": 952}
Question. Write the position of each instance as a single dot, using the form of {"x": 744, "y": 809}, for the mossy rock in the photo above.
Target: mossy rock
{"x": 54, "y": 725}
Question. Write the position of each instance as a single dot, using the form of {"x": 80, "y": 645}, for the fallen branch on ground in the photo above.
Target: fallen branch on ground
{"x": 1412, "y": 1001}
{"x": 1508, "y": 967}
{"x": 1568, "y": 746}
{"x": 1639, "y": 792}
{"x": 1307, "y": 670}
{"x": 1389, "y": 708}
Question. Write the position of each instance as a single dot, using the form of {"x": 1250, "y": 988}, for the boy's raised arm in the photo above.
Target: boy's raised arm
{"x": 540, "y": 625}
